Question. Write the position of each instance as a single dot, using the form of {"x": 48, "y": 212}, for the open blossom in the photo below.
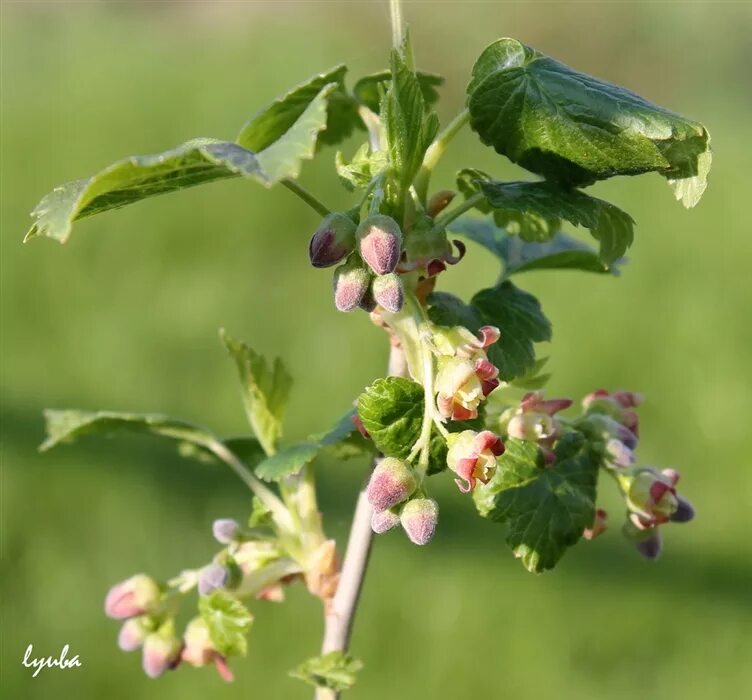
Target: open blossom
{"x": 651, "y": 496}
{"x": 472, "y": 456}
{"x": 134, "y": 596}
{"x": 535, "y": 418}
{"x": 465, "y": 374}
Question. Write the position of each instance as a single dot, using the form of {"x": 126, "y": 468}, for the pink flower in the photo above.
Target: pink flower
{"x": 472, "y": 456}
{"x": 535, "y": 419}
{"x": 380, "y": 240}
{"x": 419, "y": 518}
{"x": 134, "y": 596}
{"x": 198, "y": 649}
{"x": 651, "y": 496}
{"x": 392, "y": 482}
{"x": 162, "y": 650}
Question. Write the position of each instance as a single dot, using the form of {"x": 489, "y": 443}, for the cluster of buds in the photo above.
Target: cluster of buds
{"x": 465, "y": 376}
{"x": 472, "y": 456}
{"x": 612, "y": 417}
{"x": 367, "y": 278}
{"x": 392, "y": 492}
{"x": 535, "y": 420}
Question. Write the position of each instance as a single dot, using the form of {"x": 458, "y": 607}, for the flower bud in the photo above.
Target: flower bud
{"x": 161, "y": 650}
{"x": 384, "y": 520}
{"x": 198, "y": 649}
{"x": 334, "y": 239}
{"x": 351, "y": 282}
{"x": 419, "y": 518}
{"x": 392, "y": 482}
{"x": 387, "y": 291}
{"x": 651, "y": 496}
{"x": 134, "y": 596}
{"x": 212, "y": 577}
{"x": 684, "y": 511}
{"x": 380, "y": 243}
{"x": 133, "y": 633}
{"x": 439, "y": 201}
{"x": 472, "y": 456}
{"x": 598, "y": 526}
{"x": 618, "y": 454}
{"x": 651, "y": 546}
{"x": 225, "y": 530}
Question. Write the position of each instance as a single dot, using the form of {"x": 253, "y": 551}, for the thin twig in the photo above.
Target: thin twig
{"x": 308, "y": 197}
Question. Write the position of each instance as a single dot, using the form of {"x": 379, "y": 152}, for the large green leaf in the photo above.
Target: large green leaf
{"x": 266, "y": 389}
{"x": 546, "y": 507}
{"x": 130, "y": 180}
{"x": 409, "y": 130}
{"x": 228, "y": 621}
{"x": 561, "y": 252}
{"x": 575, "y": 129}
{"x": 369, "y": 89}
{"x": 517, "y": 314}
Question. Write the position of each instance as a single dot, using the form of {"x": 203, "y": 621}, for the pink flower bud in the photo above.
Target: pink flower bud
{"x": 472, "y": 456}
{"x": 134, "y": 596}
{"x": 619, "y": 454}
{"x": 392, "y": 482}
{"x": 161, "y": 651}
{"x": 598, "y": 526}
{"x": 382, "y": 521}
{"x": 388, "y": 291}
{"x": 380, "y": 243}
{"x": 133, "y": 633}
{"x": 225, "y": 530}
{"x": 351, "y": 282}
{"x": 334, "y": 239}
{"x": 212, "y": 577}
{"x": 419, "y": 518}
{"x": 198, "y": 649}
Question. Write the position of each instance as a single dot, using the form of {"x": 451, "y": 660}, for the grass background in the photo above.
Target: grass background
{"x": 125, "y": 317}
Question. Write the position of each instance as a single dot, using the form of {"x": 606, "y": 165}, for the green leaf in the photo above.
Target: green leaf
{"x": 68, "y": 425}
{"x": 575, "y": 129}
{"x": 363, "y": 167}
{"x": 561, "y": 252}
{"x": 228, "y": 621}
{"x": 334, "y": 670}
{"x": 132, "y": 179}
{"x": 287, "y": 461}
{"x": 369, "y": 89}
{"x": 546, "y": 508}
{"x": 409, "y": 130}
{"x": 608, "y": 224}
{"x": 517, "y": 314}
{"x": 534, "y": 378}
{"x": 266, "y": 389}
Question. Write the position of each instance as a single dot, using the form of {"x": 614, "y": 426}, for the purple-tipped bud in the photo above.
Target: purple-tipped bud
{"x": 351, "y": 282}
{"x": 392, "y": 482}
{"x": 134, "y": 596}
{"x": 650, "y": 547}
{"x": 225, "y": 530}
{"x": 380, "y": 243}
{"x": 619, "y": 454}
{"x": 388, "y": 291}
{"x": 333, "y": 241}
{"x": 383, "y": 521}
{"x": 133, "y": 633}
{"x": 212, "y": 577}
{"x": 161, "y": 651}
{"x": 684, "y": 511}
{"x": 419, "y": 518}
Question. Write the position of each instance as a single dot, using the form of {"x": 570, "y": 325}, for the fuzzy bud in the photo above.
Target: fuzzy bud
{"x": 392, "y": 482}
{"x": 380, "y": 241}
{"x": 134, "y": 596}
{"x": 212, "y": 577}
{"x": 419, "y": 518}
{"x": 388, "y": 292}
{"x": 333, "y": 241}
{"x": 225, "y": 530}
{"x": 351, "y": 282}
{"x": 133, "y": 633}
{"x": 684, "y": 511}
{"x": 382, "y": 521}
{"x": 198, "y": 649}
{"x": 161, "y": 651}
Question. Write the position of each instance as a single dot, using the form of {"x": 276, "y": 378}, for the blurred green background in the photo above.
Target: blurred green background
{"x": 125, "y": 317}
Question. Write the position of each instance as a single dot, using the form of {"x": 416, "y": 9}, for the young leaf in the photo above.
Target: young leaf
{"x": 545, "y": 507}
{"x": 69, "y": 425}
{"x": 561, "y": 252}
{"x": 132, "y": 179}
{"x": 334, "y": 670}
{"x": 517, "y": 314}
{"x": 575, "y": 129}
{"x": 363, "y": 167}
{"x": 608, "y": 224}
{"x": 368, "y": 90}
{"x": 228, "y": 621}
{"x": 287, "y": 461}
{"x": 409, "y": 131}
{"x": 265, "y": 391}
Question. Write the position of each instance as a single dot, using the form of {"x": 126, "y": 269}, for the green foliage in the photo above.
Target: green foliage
{"x": 370, "y": 89}
{"x": 228, "y": 621}
{"x": 516, "y": 313}
{"x": 575, "y": 129}
{"x": 363, "y": 167}
{"x": 265, "y": 391}
{"x": 546, "y": 508}
{"x": 334, "y": 670}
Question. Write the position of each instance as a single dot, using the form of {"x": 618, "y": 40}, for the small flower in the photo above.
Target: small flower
{"x": 651, "y": 496}
{"x": 333, "y": 240}
{"x": 598, "y": 526}
{"x": 161, "y": 650}
{"x": 134, "y": 596}
{"x": 133, "y": 632}
{"x": 351, "y": 282}
{"x": 225, "y": 530}
{"x": 535, "y": 419}
{"x": 380, "y": 240}
{"x": 198, "y": 649}
{"x": 617, "y": 405}
{"x": 472, "y": 456}
{"x": 212, "y": 577}
{"x": 388, "y": 292}
{"x": 460, "y": 389}
{"x": 419, "y": 517}
{"x": 382, "y": 521}
{"x": 392, "y": 482}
